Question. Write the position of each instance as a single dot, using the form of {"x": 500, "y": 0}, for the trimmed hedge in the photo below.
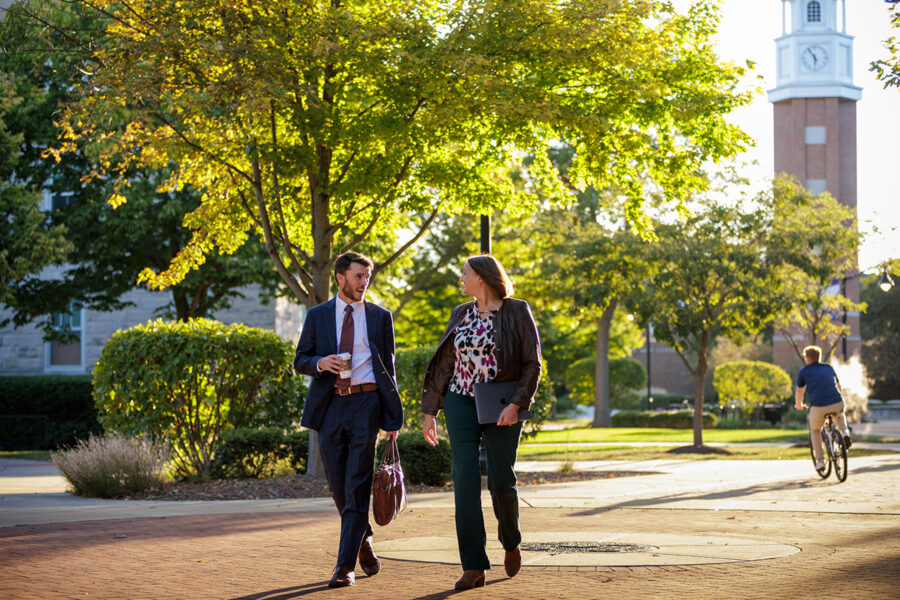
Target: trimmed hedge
{"x": 188, "y": 382}
{"x": 422, "y": 463}
{"x": 257, "y": 452}
{"x": 46, "y": 412}
{"x": 749, "y": 385}
{"x": 681, "y": 419}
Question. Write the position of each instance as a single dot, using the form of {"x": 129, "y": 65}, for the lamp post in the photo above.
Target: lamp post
{"x": 885, "y": 283}
{"x": 486, "y": 234}
{"x": 649, "y": 399}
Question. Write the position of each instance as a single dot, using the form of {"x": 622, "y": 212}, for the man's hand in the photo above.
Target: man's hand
{"x": 509, "y": 416}
{"x": 800, "y": 407}
{"x": 390, "y": 435}
{"x": 331, "y": 363}
{"x": 429, "y": 430}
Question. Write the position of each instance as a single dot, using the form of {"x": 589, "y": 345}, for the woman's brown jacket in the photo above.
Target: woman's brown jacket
{"x": 517, "y": 348}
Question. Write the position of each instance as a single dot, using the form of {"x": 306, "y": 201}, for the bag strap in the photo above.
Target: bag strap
{"x": 391, "y": 454}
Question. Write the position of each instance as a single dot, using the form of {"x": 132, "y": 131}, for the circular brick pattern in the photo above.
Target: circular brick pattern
{"x": 586, "y": 549}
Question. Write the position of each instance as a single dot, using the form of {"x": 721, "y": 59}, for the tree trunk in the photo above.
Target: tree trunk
{"x": 700, "y": 389}
{"x": 601, "y": 368}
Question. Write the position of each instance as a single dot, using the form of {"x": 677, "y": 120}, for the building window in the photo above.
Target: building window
{"x": 61, "y": 199}
{"x": 814, "y": 12}
{"x": 67, "y": 354}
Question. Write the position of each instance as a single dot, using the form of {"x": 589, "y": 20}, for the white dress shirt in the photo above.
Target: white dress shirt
{"x": 361, "y": 364}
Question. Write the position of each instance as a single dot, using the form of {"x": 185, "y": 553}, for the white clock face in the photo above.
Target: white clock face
{"x": 814, "y": 58}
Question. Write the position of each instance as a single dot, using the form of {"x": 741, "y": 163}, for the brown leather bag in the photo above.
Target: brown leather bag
{"x": 388, "y": 486}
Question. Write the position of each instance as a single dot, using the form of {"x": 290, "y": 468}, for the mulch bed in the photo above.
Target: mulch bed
{"x": 301, "y": 486}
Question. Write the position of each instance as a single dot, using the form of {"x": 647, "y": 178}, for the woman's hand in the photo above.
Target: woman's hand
{"x": 429, "y": 430}
{"x": 509, "y": 416}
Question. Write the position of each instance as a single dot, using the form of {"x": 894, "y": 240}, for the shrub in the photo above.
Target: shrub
{"x": 542, "y": 405}
{"x": 422, "y": 463}
{"x": 186, "y": 383}
{"x": 626, "y": 376}
{"x": 111, "y": 466}
{"x": 748, "y": 384}
{"x": 666, "y": 401}
{"x": 681, "y": 419}
{"x": 46, "y": 412}
{"x": 411, "y": 364}
{"x": 257, "y": 452}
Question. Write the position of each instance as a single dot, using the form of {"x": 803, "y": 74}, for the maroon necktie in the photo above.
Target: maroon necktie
{"x": 346, "y": 344}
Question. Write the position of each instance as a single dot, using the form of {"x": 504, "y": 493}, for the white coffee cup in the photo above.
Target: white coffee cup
{"x": 346, "y": 368}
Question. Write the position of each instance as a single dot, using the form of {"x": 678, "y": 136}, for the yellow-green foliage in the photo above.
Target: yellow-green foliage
{"x": 750, "y": 383}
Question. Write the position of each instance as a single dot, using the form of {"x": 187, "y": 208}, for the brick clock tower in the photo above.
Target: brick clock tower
{"x": 815, "y": 123}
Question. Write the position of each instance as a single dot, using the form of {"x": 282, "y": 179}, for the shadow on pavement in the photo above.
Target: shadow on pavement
{"x": 287, "y": 593}
{"x": 744, "y": 492}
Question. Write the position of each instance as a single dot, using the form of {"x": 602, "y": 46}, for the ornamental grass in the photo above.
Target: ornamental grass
{"x": 107, "y": 467}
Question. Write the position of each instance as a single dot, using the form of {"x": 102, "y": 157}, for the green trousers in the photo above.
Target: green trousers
{"x": 500, "y": 444}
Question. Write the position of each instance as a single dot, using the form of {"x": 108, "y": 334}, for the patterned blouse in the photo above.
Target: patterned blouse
{"x": 474, "y": 344}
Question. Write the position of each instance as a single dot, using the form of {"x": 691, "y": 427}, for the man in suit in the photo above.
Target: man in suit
{"x": 348, "y": 412}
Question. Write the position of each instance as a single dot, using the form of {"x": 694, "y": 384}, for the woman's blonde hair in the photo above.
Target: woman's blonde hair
{"x": 492, "y": 273}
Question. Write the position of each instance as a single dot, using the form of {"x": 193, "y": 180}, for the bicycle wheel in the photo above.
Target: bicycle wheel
{"x": 825, "y": 471}
{"x": 839, "y": 455}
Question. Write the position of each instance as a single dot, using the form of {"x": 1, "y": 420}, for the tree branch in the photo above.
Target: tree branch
{"x": 267, "y": 232}
{"x": 404, "y": 247}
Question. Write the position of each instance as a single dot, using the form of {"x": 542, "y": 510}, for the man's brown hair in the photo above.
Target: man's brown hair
{"x": 492, "y": 273}
{"x": 813, "y": 352}
{"x": 344, "y": 261}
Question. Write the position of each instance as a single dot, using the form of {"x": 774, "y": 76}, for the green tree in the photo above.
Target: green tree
{"x": 597, "y": 265}
{"x": 880, "y": 331}
{"x": 816, "y": 240}
{"x": 749, "y": 384}
{"x": 709, "y": 275}
{"x": 111, "y": 246}
{"x": 31, "y": 242}
{"x": 324, "y": 125}
{"x": 887, "y": 70}
{"x": 626, "y": 376}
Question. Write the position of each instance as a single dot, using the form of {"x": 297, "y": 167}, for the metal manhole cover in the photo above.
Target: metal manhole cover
{"x": 560, "y": 547}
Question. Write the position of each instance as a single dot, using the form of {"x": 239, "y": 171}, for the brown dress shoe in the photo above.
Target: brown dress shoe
{"x": 513, "y": 562}
{"x": 472, "y": 578}
{"x": 367, "y": 559}
{"x": 343, "y": 576}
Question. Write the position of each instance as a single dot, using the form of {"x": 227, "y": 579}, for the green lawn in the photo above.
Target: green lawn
{"x": 26, "y": 454}
{"x": 686, "y": 436}
{"x": 570, "y": 453}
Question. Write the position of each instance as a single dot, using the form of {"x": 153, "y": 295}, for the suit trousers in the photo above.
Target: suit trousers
{"x": 347, "y": 442}
{"x": 500, "y": 445}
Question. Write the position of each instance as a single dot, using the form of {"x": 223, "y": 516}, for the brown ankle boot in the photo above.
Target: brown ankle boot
{"x": 472, "y": 578}
{"x": 512, "y": 562}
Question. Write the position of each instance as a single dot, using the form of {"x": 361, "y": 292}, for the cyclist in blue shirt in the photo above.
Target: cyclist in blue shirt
{"x": 824, "y": 397}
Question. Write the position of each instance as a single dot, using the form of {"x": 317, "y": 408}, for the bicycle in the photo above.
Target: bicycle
{"x": 835, "y": 449}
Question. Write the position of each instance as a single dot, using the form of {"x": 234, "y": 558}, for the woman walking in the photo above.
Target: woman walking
{"x": 493, "y": 338}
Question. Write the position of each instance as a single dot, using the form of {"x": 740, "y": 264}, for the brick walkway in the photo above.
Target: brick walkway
{"x": 290, "y": 555}
{"x": 851, "y": 551}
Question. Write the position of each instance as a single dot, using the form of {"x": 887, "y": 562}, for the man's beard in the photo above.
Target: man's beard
{"x": 350, "y": 292}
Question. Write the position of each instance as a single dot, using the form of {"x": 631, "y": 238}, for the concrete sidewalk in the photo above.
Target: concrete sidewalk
{"x": 693, "y": 529}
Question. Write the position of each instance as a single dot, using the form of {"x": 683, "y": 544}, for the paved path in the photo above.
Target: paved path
{"x": 720, "y": 529}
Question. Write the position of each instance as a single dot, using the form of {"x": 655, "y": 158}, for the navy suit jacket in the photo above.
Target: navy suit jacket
{"x": 319, "y": 339}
